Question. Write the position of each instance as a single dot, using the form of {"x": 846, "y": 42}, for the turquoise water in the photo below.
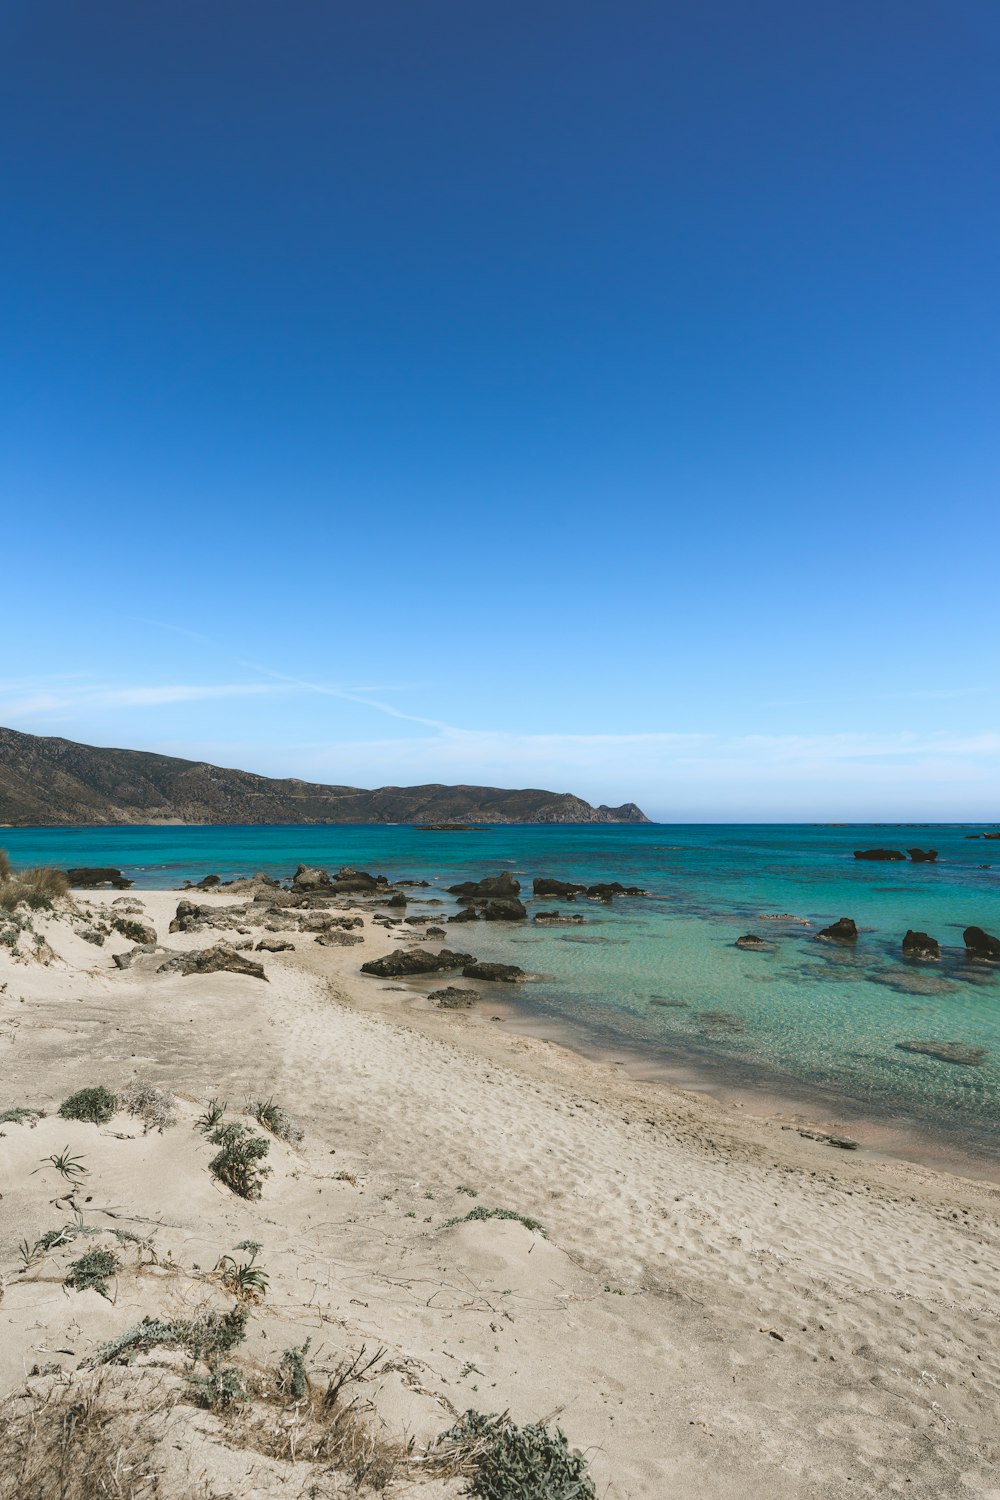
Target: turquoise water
{"x": 808, "y": 1019}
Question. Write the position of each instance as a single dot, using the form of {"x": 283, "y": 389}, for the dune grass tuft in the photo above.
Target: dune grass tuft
{"x": 94, "y": 1104}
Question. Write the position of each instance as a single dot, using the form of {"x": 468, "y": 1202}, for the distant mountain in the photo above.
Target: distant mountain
{"x": 48, "y": 781}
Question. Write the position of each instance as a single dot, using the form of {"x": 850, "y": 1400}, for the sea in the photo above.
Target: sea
{"x": 656, "y": 984}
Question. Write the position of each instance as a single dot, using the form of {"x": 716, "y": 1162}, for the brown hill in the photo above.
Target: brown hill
{"x": 50, "y": 781}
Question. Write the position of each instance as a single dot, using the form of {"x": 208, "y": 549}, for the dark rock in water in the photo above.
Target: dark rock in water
{"x": 215, "y": 960}
{"x": 554, "y": 918}
{"x": 507, "y": 910}
{"x": 490, "y": 885}
{"x": 413, "y": 883}
{"x": 468, "y": 914}
{"x": 543, "y": 886}
{"x": 206, "y": 883}
{"x": 89, "y": 878}
{"x": 920, "y": 945}
{"x": 950, "y": 1052}
{"x": 844, "y": 930}
{"x": 396, "y": 899}
{"x": 455, "y": 998}
{"x": 417, "y": 921}
{"x": 753, "y": 943}
{"x": 973, "y": 835}
{"x": 436, "y": 932}
{"x": 415, "y": 961}
{"x": 991, "y": 835}
{"x": 879, "y": 854}
{"x": 334, "y": 938}
{"x": 980, "y": 944}
{"x": 275, "y": 945}
{"x": 922, "y": 856}
{"x": 501, "y": 973}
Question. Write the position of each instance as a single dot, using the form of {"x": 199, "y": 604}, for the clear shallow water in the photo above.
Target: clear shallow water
{"x": 808, "y": 1019}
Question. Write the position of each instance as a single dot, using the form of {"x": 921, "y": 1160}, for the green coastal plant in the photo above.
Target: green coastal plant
{"x": 207, "y": 1337}
{"x": 212, "y": 1115}
{"x": 293, "y": 1378}
{"x": 238, "y": 1163}
{"x": 91, "y": 1272}
{"x": 68, "y": 1166}
{"x": 97, "y": 1105}
{"x": 479, "y": 1213}
{"x": 507, "y": 1462}
{"x": 275, "y": 1119}
{"x": 219, "y": 1389}
{"x": 20, "y": 1115}
{"x": 245, "y": 1280}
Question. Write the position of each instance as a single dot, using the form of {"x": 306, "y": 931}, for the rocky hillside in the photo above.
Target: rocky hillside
{"x": 55, "y": 782}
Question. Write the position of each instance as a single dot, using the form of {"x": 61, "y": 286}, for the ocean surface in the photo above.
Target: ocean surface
{"x": 658, "y": 980}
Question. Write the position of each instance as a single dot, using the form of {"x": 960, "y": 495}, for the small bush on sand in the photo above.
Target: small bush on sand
{"x": 211, "y": 1115}
{"x": 275, "y": 1119}
{"x": 95, "y": 1104}
{"x": 6, "y": 868}
{"x": 507, "y": 1462}
{"x": 244, "y": 1280}
{"x": 494, "y": 1213}
{"x": 219, "y": 1389}
{"x": 238, "y": 1163}
{"x": 293, "y": 1378}
{"x": 20, "y": 1115}
{"x": 152, "y": 1106}
{"x": 208, "y": 1337}
{"x": 38, "y": 888}
{"x": 91, "y": 1272}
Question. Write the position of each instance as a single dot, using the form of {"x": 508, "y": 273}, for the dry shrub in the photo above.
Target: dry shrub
{"x": 78, "y": 1443}
{"x": 152, "y": 1106}
{"x": 37, "y": 888}
{"x": 5, "y": 865}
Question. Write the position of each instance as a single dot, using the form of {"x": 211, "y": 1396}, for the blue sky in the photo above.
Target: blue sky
{"x": 595, "y": 396}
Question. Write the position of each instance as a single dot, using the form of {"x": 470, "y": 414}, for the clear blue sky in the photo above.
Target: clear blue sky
{"x": 595, "y": 396}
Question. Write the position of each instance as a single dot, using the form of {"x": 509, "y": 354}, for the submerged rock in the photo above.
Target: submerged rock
{"x": 667, "y": 1003}
{"x": 501, "y": 973}
{"x": 844, "y": 930}
{"x": 950, "y": 1052}
{"x": 554, "y": 918}
{"x": 753, "y": 943}
{"x": 980, "y": 944}
{"x": 882, "y": 854}
{"x": 455, "y": 998}
{"x": 415, "y": 961}
{"x": 907, "y": 982}
{"x": 721, "y": 1022}
{"x": 920, "y": 945}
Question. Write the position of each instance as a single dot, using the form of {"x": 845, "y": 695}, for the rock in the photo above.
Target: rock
{"x": 922, "y": 856}
{"x": 397, "y": 899}
{"x": 507, "y": 910}
{"x": 468, "y": 914}
{"x": 221, "y": 958}
{"x": 879, "y": 854}
{"x": 192, "y": 918}
{"x": 543, "y": 886}
{"x": 973, "y": 835}
{"x": 134, "y": 930}
{"x": 980, "y": 944}
{"x": 490, "y": 885}
{"x": 275, "y": 945}
{"x": 920, "y": 945}
{"x": 311, "y": 878}
{"x": 415, "y": 961}
{"x": 335, "y": 938}
{"x": 360, "y": 882}
{"x": 500, "y": 973}
{"x": 126, "y": 960}
{"x": 951, "y": 1052}
{"x": 754, "y": 944}
{"x": 89, "y": 878}
{"x": 454, "y": 998}
{"x": 436, "y": 932}
{"x": 95, "y": 935}
{"x": 991, "y": 835}
{"x": 417, "y": 921}
{"x": 555, "y": 918}
{"x": 207, "y": 882}
{"x": 844, "y": 930}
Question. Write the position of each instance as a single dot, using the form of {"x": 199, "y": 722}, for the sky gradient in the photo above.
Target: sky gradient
{"x": 593, "y": 396}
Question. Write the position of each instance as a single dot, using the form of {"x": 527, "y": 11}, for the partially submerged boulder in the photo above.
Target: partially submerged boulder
{"x": 879, "y": 854}
{"x": 499, "y": 973}
{"x": 844, "y": 930}
{"x": 415, "y": 961}
{"x": 557, "y": 918}
{"x": 920, "y": 945}
{"x": 543, "y": 885}
{"x": 979, "y": 944}
{"x": 752, "y": 943}
{"x": 923, "y": 856}
{"x": 490, "y": 885}
{"x": 89, "y": 877}
{"x": 216, "y": 960}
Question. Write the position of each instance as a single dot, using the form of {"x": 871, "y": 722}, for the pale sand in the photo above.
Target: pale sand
{"x": 682, "y": 1236}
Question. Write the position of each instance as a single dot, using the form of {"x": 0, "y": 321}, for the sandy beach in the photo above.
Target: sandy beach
{"x": 712, "y": 1302}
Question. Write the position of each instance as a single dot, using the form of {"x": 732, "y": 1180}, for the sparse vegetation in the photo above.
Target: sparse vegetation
{"x": 219, "y": 1389}
{"x": 52, "y": 1239}
{"x": 207, "y": 1337}
{"x": 20, "y": 1115}
{"x": 245, "y": 1280}
{"x": 67, "y": 1165}
{"x": 94, "y": 1104}
{"x": 151, "y": 1105}
{"x": 505, "y": 1462}
{"x": 275, "y": 1119}
{"x": 37, "y": 889}
{"x": 132, "y": 929}
{"x": 238, "y": 1163}
{"x": 293, "y": 1378}
{"x": 479, "y": 1212}
{"x": 212, "y": 1115}
{"x": 91, "y": 1272}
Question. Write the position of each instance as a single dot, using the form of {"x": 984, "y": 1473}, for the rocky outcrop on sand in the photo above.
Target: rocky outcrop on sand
{"x": 920, "y": 945}
{"x": 950, "y": 1052}
{"x": 499, "y": 973}
{"x": 415, "y": 961}
{"x": 454, "y": 998}
{"x": 334, "y": 938}
{"x": 133, "y": 929}
{"x": 221, "y": 958}
{"x": 275, "y": 945}
{"x": 879, "y": 854}
{"x": 979, "y": 944}
{"x": 844, "y": 930}
{"x": 90, "y": 878}
{"x": 190, "y": 917}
